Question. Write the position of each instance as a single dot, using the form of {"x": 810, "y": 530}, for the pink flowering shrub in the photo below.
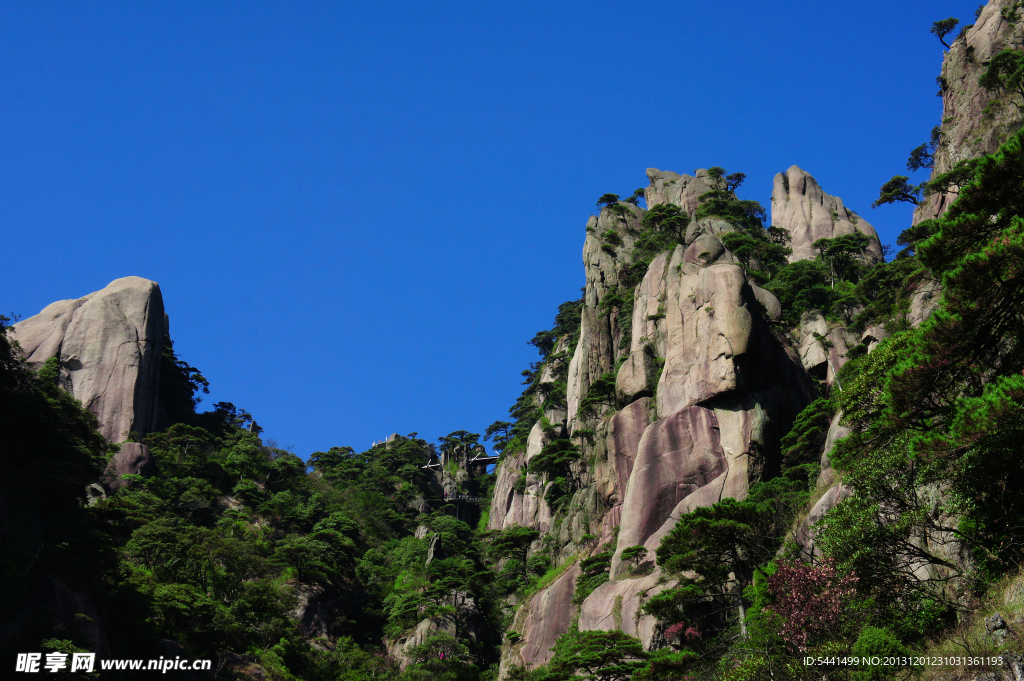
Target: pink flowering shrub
{"x": 811, "y": 599}
{"x": 682, "y": 632}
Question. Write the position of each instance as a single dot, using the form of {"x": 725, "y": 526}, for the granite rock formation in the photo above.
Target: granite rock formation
{"x": 801, "y": 207}
{"x": 109, "y": 344}
{"x": 703, "y": 392}
{"x": 133, "y": 458}
{"x": 966, "y": 132}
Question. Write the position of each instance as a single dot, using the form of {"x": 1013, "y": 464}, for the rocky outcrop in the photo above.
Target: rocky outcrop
{"x": 518, "y": 497}
{"x": 823, "y": 347}
{"x": 966, "y": 131}
{"x": 924, "y": 301}
{"x": 801, "y": 207}
{"x": 805, "y": 532}
{"x": 706, "y": 392}
{"x": 399, "y": 648}
{"x": 836, "y": 432}
{"x": 133, "y": 458}
{"x": 323, "y": 611}
{"x": 677, "y": 456}
{"x": 610, "y": 238}
{"x": 872, "y": 336}
{"x": 546, "y": 617}
{"x": 109, "y": 344}
{"x": 616, "y": 605}
{"x": 704, "y": 319}
{"x": 681, "y": 190}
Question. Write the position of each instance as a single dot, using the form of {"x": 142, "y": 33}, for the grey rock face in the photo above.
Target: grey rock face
{"x": 997, "y": 628}
{"x": 823, "y": 347}
{"x": 966, "y": 131}
{"x": 872, "y": 336}
{"x": 681, "y": 190}
{"x": 525, "y": 507}
{"x": 636, "y": 376}
{"x": 399, "y": 649}
{"x": 924, "y": 301}
{"x": 611, "y": 471}
{"x": 836, "y": 432}
{"x": 805, "y": 533}
{"x": 808, "y": 214}
{"x": 771, "y": 304}
{"x": 709, "y": 226}
{"x": 600, "y": 333}
{"x": 109, "y": 344}
{"x": 616, "y": 605}
{"x": 435, "y": 551}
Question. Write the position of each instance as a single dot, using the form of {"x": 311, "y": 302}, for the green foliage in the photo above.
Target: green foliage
{"x": 594, "y": 572}
{"x": 898, "y": 190}
{"x": 940, "y": 29}
{"x": 50, "y": 452}
{"x": 935, "y": 411}
{"x": 527, "y": 409}
{"x": 500, "y": 433}
{"x": 514, "y": 543}
{"x": 804, "y": 442}
{"x": 637, "y": 195}
{"x": 762, "y": 257}
{"x": 802, "y": 286}
{"x": 599, "y": 655}
{"x": 749, "y": 215}
{"x": 634, "y": 554}
{"x": 601, "y": 393}
{"x": 842, "y": 254}
{"x": 881, "y": 643}
{"x": 180, "y": 384}
{"x": 441, "y": 658}
{"x": 1005, "y": 72}
{"x": 555, "y": 460}
{"x": 608, "y": 200}
{"x": 725, "y": 545}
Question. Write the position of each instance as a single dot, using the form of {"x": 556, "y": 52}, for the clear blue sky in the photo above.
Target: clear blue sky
{"x": 359, "y": 214}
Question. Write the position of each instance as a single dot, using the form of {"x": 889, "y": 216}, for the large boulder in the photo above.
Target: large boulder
{"x": 636, "y": 376}
{"x": 109, "y": 344}
{"x": 134, "y": 458}
{"x": 808, "y": 214}
{"x": 401, "y": 648}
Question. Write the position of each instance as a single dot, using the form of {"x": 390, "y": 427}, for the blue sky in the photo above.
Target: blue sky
{"x": 358, "y": 214}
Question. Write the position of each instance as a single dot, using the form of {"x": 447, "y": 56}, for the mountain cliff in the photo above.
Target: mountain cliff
{"x": 108, "y": 345}
{"x": 748, "y": 443}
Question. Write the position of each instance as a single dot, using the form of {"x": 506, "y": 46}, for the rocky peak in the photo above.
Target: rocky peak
{"x": 966, "y": 131}
{"x": 109, "y": 344}
{"x": 801, "y": 207}
{"x": 681, "y": 190}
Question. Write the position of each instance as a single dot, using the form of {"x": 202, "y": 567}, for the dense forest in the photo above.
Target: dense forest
{"x": 384, "y": 564}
